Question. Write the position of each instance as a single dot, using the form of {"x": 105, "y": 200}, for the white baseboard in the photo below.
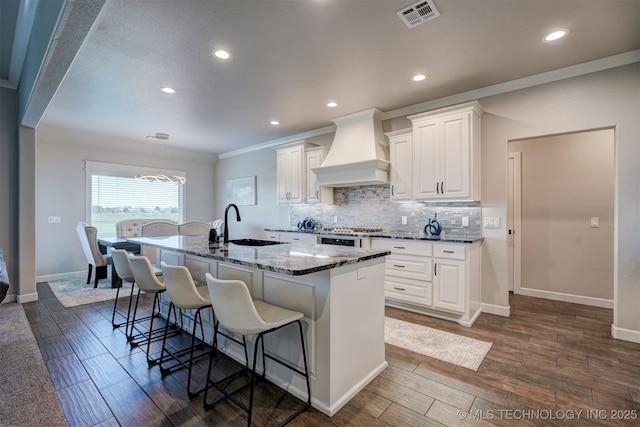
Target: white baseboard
{"x": 498, "y": 310}
{"x": 27, "y": 298}
{"x": 625, "y": 334}
{"x": 559, "y": 296}
{"x": 60, "y": 276}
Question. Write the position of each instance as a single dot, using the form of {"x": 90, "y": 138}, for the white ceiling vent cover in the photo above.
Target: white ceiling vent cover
{"x": 418, "y": 13}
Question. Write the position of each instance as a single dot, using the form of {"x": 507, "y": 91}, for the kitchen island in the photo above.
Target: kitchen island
{"x": 340, "y": 290}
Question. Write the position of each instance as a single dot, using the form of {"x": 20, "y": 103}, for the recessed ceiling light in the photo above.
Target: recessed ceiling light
{"x": 332, "y": 104}
{"x": 222, "y": 54}
{"x": 418, "y": 77}
{"x": 555, "y": 35}
{"x": 167, "y": 89}
{"x": 274, "y": 122}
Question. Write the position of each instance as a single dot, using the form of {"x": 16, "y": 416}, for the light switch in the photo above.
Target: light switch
{"x": 54, "y": 220}
{"x": 492, "y": 222}
{"x": 595, "y": 222}
{"x": 465, "y": 221}
{"x": 404, "y": 220}
{"x": 335, "y": 219}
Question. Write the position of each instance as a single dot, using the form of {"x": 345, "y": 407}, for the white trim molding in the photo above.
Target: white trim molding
{"x": 498, "y": 310}
{"x": 559, "y": 296}
{"x": 625, "y": 334}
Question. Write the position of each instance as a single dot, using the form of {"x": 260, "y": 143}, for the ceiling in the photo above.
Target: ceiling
{"x": 291, "y": 57}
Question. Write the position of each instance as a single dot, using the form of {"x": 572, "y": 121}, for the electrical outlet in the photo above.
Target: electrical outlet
{"x": 335, "y": 219}
{"x": 404, "y": 220}
{"x": 595, "y": 222}
{"x": 465, "y": 221}
{"x": 54, "y": 220}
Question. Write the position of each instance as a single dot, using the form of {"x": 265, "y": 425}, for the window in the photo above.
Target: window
{"x": 113, "y": 194}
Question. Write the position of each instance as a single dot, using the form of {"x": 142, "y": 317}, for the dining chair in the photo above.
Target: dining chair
{"x": 238, "y": 313}
{"x": 194, "y": 228}
{"x": 88, "y": 236}
{"x": 156, "y": 229}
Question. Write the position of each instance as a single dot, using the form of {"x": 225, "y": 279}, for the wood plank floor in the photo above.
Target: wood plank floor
{"x": 551, "y": 363}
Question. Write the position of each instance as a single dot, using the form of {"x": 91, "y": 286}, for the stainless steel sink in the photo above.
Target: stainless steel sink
{"x": 254, "y": 242}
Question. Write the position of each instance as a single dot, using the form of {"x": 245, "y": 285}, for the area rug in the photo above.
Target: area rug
{"x": 27, "y": 393}
{"x": 444, "y": 346}
{"x": 75, "y": 291}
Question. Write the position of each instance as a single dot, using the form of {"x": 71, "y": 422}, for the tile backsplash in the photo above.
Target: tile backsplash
{"x": 369, "y": 207}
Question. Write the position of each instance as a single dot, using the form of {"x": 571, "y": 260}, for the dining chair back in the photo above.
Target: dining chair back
{"x": 88, "y": 236}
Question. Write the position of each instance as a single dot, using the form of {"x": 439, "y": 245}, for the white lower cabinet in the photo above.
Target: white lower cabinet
{"x": 437, "y": 279}
{"x": 407, "y": 270}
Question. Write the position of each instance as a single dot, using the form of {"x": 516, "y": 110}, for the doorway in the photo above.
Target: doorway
{"x": 560, "y": 217}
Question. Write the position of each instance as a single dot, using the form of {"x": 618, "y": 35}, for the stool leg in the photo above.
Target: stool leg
{"x": 164, "y": 336}
{"x": 253, "y": 375}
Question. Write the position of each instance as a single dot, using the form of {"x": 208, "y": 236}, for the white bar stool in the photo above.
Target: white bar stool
{"x": 184, "y": 295}
{"x": 120, "y": 259}
{"x": 239, "y": 313}
{"x": 147, "y": 281}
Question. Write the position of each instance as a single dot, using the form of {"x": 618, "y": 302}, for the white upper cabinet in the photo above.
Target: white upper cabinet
{"x": 401, "y": 154}
{"x": 446, "y": 153}
{"x": 291, "y": 164}
{"x": 317, "y": 193}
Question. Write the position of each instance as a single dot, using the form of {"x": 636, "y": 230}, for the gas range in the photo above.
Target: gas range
{"x": 350, "y": 230}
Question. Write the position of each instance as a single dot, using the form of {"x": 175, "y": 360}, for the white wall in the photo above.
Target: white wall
{"x": 60, "y": 187}
{"x": 604, "y": 99}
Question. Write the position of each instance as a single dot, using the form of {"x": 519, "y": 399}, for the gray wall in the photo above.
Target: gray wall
{"x": 9, "y": 181}
{"x": 566, "y": 181}
{"x": 603, "y": 99}
{"x": 60, "y": 187}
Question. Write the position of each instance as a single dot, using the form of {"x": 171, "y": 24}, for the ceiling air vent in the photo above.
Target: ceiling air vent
{"x": 418, "y": 13}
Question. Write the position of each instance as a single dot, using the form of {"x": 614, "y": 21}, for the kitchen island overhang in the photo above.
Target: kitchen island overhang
{"x": 340, "y": 290}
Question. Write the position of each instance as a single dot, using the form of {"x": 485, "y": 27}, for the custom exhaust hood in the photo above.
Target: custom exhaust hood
{"x": 359, "y": 152}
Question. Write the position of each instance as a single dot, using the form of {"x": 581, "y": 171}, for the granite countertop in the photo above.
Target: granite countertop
{"x": 286, "y": 258}
{"x": 391, "y": 234}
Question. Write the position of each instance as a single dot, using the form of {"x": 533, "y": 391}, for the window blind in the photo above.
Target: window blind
{"x": 115, "y": 195}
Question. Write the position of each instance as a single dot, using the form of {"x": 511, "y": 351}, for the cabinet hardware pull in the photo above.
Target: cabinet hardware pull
{"x": 392, "y": 190}
{"x": 447, "y": 252}
{"x": 398, "y": 265}
{"x": 399, "y": 247}
{"x": 399, "y": 289}
{"x": 317, "y": 194}
{"x": 295, "y": 238}
{"x": 442, "y": 187}
{"x": 435, "y": 266}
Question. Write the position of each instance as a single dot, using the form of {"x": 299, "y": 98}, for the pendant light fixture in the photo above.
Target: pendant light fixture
{"x": 160, "y": 177}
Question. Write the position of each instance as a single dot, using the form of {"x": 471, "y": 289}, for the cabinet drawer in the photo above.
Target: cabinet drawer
{"x": 401, "y": 246}
{"x": 408, "y": 290}
{"x": 412, "y": 267}
{"x": 450, "y": 251}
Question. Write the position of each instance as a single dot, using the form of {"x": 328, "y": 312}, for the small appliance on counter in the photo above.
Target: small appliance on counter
{"x": 434, "y": 226}
{"x": 307, "y": 224}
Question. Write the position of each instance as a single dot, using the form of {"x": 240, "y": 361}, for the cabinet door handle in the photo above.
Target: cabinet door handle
{"x": 317, "y": 194}
{"x": 435, "y": 268}
{"x": 442, "y": 187}
{"x": 399, "y": 289}
{"x": 447, "y": 252}
{"x": 392, "y": 190}
{"x": 398, "y": 265}
{"x": 399, "y": 247}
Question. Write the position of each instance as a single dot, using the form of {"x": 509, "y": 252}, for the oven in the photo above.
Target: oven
{"x": 354, "y": 241}
{"x": 353, "y": 237}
